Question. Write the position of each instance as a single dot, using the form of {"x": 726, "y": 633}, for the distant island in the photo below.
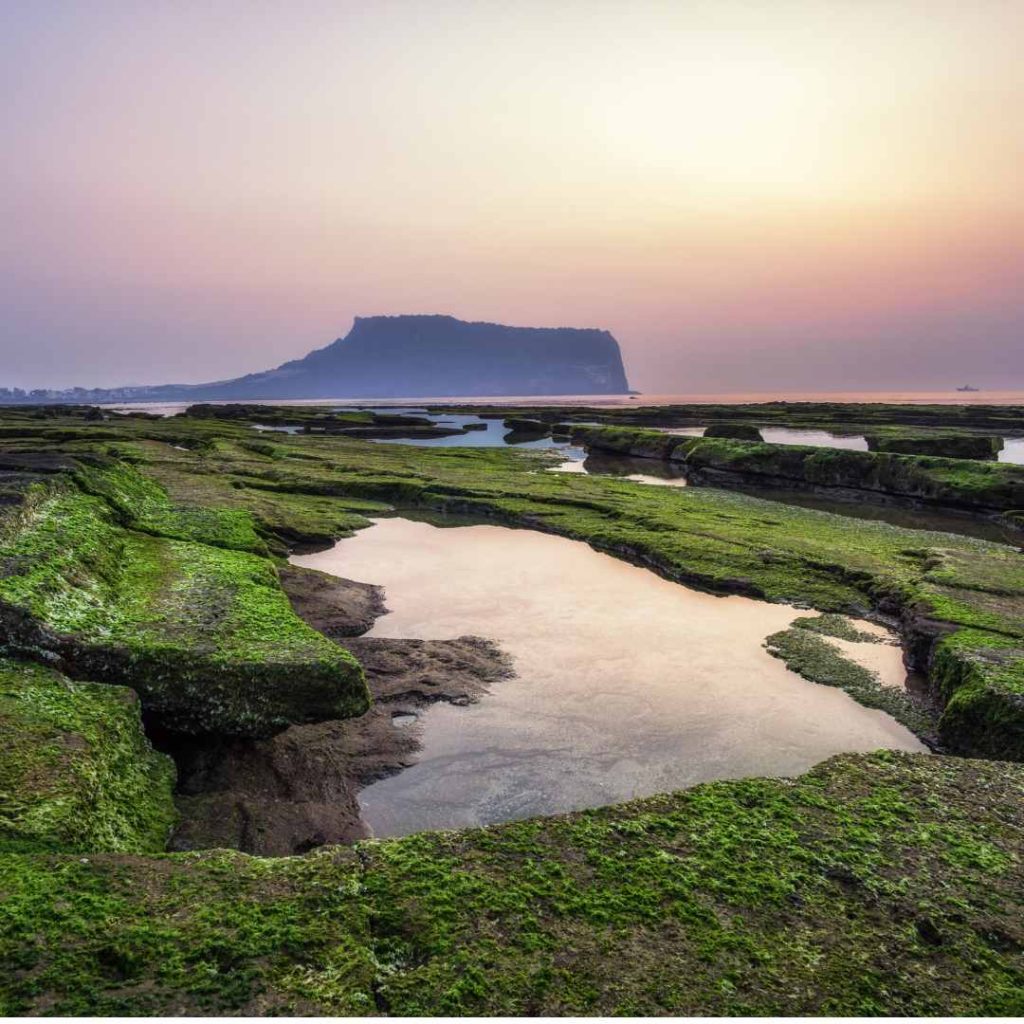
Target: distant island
{"x": 406, "y": 357}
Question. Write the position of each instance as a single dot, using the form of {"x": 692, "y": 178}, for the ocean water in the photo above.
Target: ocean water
{"x": 951, "y": 397}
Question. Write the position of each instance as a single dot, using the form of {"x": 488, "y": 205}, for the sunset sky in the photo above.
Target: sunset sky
{"x": 820, "y": 194}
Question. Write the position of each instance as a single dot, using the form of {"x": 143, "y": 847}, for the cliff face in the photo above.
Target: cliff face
{"x": 409, "y": 356}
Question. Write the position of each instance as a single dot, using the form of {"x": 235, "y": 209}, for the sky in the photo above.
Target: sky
{"x": 750, "y": 194}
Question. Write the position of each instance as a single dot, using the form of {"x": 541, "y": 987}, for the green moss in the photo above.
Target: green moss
{"x": 205, "y": 635}
{"x": 953, "y": 483}
{"x": 736, "y": 431}
{"x": 813, "y": 657}
{"x": 943, "y": 443}
{"x": 981, "y": 677}
{"x": 322, "y": 487}
{"x": 735, "y": 898}
{"x": 836, "y": 625}
{"x": 195, "y": 935}
{"x": 142, "y": 504}
{"x": 875, "y": 884}
{"x": 76, "y": 771}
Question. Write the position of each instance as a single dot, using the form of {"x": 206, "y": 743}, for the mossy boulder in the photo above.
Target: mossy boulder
{"x": 981, "y": 678}
{"x": 524, "y": 425}
{"x": 76, "y": 769}
{"x": 735, "y": 431}
{"x": 205, "y": 635}
{"x": 947, "y": 445}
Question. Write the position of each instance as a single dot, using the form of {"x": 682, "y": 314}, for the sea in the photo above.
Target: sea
{"x": 952, "y": 397}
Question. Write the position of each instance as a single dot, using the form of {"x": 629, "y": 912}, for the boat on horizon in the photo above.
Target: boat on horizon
{"x": 968, "y": 387}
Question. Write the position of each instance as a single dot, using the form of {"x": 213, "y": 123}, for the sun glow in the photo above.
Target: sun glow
{"x": 673, "y": 171}
{"x": 718, "y": 126}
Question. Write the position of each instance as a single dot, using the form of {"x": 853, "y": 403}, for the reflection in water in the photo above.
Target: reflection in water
{"x": 792, "y": 435}
{"x": 1013, "y": 450}
{"x": 818, "y": 438}
{"x": 642, "y": 471}
{"x": 884, "y": 657}
{"x": 626, "y": 684}
{"x": 493, "y": 435}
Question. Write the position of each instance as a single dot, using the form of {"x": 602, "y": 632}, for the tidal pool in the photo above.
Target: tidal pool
{"x": 626, "y": 684}
{"x": 658, "y": 472}
{"x": 791, "y": 435}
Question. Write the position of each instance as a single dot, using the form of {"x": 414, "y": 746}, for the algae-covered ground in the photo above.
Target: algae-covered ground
{"x": 879, "y": 884}
{"x": 143, "y": 553}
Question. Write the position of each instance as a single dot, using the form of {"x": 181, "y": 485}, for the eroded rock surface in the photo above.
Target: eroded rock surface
{"x": 297, "y": 790}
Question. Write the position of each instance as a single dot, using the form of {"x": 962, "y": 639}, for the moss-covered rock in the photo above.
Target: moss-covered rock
{"x": 205, "y": 635}
{"x": 524, "y": 425}
{"x": 735, "y": 431}
{"x": 986, "y": 487}
{"x": 947, "y": 445}
{"x": 140, "y": 503}
{"x": 961, "y": 484}
{"x": 76, "y": 770}
{"x": 880, "y": 884}
{"x": 981, "y": 677}
{"x": 641, "y": 444}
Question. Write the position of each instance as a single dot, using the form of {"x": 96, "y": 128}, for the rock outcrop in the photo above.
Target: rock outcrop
{"x": 420, "y": 356}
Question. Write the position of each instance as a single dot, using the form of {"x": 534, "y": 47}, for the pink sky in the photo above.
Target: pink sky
{"x": 750, "y": 195}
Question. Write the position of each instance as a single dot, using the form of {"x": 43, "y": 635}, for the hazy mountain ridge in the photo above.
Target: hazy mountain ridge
{"x": 410, "y": 356}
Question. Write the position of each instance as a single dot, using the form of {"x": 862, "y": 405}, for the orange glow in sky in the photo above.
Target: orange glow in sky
{"x": 810, "y": 193}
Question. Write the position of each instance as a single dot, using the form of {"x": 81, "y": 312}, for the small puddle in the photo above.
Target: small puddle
{"x": 790, "y": 435}
{"x": 883, "y": 656}
{"x": 642, "y": 471}
{"x": 626, "y": 685}
{"x": 1012, "y": 451}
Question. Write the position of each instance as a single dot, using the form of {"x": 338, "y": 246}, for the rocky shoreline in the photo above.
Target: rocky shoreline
{"x": 992, "y": 491}
{"x": 298, "y": 789}
{"x": 142, "y": 580}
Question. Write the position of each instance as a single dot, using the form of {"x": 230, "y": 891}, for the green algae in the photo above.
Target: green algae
{"x": 811, "y": 655}
{"x": 718, "y": 540}
{"x": 874, "y": 884}
{"x": 950, "y": 482}
{"x": 945, "y": 443}
{"x": 981, "y": 677}
{"x": 142, "y": 504}
{"x": 76, "y": 770}
{"x": 836, "y": 625}
{"x": 316, "y": 489}
{"x": 205, "y": 635}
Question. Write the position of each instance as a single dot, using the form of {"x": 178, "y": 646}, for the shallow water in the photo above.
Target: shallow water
{"x": 1013, "y": 450}
{"x": 819, "y": 438}
{"x": 626, "y": 684}
{"x": 660, "y": 473}
{"x": 493, "y": 436}
{"x": 792, "y": 435}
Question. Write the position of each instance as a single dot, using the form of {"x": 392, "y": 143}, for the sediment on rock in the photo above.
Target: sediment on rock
{"x": 298, "y": 789}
